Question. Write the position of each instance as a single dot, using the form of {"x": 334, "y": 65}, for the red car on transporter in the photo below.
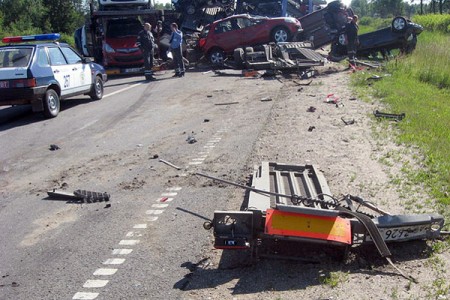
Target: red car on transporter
{"x": 221, "y": 37}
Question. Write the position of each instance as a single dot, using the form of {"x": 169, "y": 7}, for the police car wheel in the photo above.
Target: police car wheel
{"x": 51, "y": 104}
{"x": 97, "y": 89}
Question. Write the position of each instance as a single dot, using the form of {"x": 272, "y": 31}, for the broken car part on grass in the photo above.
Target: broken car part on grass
{"x": 397, "y": 117}
{"x": 294, "y": 203}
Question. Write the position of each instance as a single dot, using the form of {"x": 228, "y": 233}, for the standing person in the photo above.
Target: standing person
{"x": 146, "y": 43}
{"x": 157, "y": 33}
{"x": 175, "y": 46}
{"x": 351, "y": 29}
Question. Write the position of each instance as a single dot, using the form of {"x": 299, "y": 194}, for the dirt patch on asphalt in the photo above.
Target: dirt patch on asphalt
{"x": 324, "y": 123}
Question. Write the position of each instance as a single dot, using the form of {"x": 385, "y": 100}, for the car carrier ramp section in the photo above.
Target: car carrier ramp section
{"x": 302, "y": 182}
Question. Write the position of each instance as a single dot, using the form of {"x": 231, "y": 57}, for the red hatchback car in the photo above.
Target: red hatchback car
{"x": 223, "y": 36}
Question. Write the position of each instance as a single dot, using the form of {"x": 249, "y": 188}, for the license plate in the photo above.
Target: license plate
{"x": 133, "y": 70}
{"x": 4, "y": 84}
{"x": 403, "y": 233}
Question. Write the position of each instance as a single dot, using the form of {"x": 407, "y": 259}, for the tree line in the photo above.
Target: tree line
{"x": 391, "y": 8}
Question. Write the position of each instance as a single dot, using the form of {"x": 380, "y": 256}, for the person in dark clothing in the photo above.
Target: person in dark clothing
{"x": 146, "y": 43}
{"x": 175, "y": 46}
{"x": 351, "y": 29}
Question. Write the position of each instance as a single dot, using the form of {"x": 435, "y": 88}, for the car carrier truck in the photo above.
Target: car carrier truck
{"x": 110, "y": 33}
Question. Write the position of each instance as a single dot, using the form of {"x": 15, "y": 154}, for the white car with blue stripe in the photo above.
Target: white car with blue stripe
{"x": 42, "y": 74}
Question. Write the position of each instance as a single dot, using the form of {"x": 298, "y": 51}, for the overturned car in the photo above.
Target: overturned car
{"x": 402, "y": 35}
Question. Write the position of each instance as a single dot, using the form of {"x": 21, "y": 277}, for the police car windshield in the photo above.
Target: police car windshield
{"x": 122, "y": 28}
{"x": 15, "y": 57}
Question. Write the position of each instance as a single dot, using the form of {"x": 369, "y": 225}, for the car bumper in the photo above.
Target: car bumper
{"x": 22, "y": 96}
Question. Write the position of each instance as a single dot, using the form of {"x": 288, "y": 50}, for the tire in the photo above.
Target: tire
{"x": 342, "y": 39}
{"x": 51, "y": 103}
{"x": 280, "y": 35}
{"x": 97, "y": 89}
{"x": 238, "y": 56}
{"x": 399, "y": 24}
{"x": 216, "y": 56}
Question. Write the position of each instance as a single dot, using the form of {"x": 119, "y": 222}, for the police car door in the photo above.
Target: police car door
{"x": 81, "y": 71}
{"x": 62, "y": 71}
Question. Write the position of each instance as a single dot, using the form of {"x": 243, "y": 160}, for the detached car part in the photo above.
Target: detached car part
{"x": 294, "y": 203}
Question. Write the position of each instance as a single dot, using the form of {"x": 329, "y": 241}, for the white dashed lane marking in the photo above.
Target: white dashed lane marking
{"x": 128, "y": 242}
{"x": 154, "y": 211}
{"x": 140, "y": 226}
{"x": 105, "y": 272}
{"x": 169, "y": 194}
{"x": 85, "y": 296}
{"x": 114, "y": 261}
{"x": 95, "y": 283}
{"x": 121, "y": 251}
{"x": 133, "y": 233}
{"x": 152, "y": 219}
{"x": 160, "y": 205}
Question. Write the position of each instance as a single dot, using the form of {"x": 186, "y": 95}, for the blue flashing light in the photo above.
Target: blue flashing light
{"x": 36, "y": 37}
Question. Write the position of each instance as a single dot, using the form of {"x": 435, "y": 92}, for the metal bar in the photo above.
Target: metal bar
{"x": 169, "y": 164}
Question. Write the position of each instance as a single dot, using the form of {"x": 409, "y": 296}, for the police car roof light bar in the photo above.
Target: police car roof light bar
{"x": 36, "y": 37}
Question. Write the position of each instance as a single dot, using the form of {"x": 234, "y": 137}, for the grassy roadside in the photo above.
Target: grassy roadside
{"x": 419, "y": 85}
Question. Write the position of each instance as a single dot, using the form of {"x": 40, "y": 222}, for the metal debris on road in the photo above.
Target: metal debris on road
{"x": 298, "y": 83}
{"x": 54, "y": 147}
{"x": 311, "y": 128}
{"x": 80, "y": 195}
{"x": 266, "y": 99}
{"x": 169, "y": 164}
{"x": 348, "y": 122}
{"x": 226, "y": 103}
{"x": 311, "y": 109}
{"x": 397, "y": 117}
{"x": 191, "y": 139}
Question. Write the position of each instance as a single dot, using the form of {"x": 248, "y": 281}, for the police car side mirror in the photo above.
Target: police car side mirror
{"x": 87, "y": 60}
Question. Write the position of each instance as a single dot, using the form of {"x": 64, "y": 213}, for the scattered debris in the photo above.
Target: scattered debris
{"x": 331, "y": 98}
{"x": 205, "y": 120}
{"x": 54, "y": 147}
{"x": 251, "y": 73}
{"x": 209, "y": 96}
{"x": 107, "y": 205}
{"x": 375, "y": 77}
{"x": 155, "y": 156}
{"x": 352, "y": 99}
{"x": 169, "y": 164}
{"x": 311, "y": 109}
{"x": 235, "y": 73}
{"x": 191, "y": 139}
{"x": 81, "y": 195}
{"x": 298, "y": 83}
{"x": 397, "y": 117}
{"x": 207, "y": 72}
{"x": 266, "y": 99}
{"x": 163, "y": 199}
{"x": 226, "y": 103}
{"x": 349, "y": 122}
{"x": 311, "y": 128}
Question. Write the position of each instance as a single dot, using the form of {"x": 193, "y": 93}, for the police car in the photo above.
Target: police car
{"x": 42, "y": 74}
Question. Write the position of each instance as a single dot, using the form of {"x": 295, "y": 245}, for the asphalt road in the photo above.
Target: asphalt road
{"x": 144, "y": 242}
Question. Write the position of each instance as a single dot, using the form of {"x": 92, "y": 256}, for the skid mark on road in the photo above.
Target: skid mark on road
{"x": 152, "y": 214}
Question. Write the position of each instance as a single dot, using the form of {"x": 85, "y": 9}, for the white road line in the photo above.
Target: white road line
{"x": 121, "y": 251}
{"x": 154, "y": 211}
{"x": 114, "y": 261}
{"x": 105, "y": 272}
{"x": 85, "y": 296}
{"x": 209, "y": 146}
{"x": 199, "y": 159}
{"x": 174, "y": 189}
{"x": 160, "y": 205}
{"x": 95, "y": 283}
{"x": 140, "y": 226}
{"x": 163, "y": 199}
{"x": 133, "y": 233}
{"x": 171, "y": 194}
{"x": 128, "y": 242}
{"x": 152, "y": 219}
{"x": 195, "y": 162}
{"x": 121, "y": 90}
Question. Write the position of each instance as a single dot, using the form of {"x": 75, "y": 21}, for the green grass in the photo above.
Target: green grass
{"x": 419, "y": 85}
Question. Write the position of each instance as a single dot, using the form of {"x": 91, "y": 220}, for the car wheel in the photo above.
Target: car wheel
{"x": 217, "y": 56}
{"x": 399, "y": 24}
{"x": 342, "y": 39}
{"x": 51, "y": 103}
{"x": 190, "y": 9}
{"x": 280, "y": 35}
{"x": 97, "y": 89}
{"x": 238, "y": 56}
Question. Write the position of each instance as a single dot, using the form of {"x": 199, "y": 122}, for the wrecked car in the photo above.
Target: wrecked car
{"x": 220, "y": 38}
{"x": 402, "y": 35}
{"x": 294, "y": 203}
{"x": 293, "y": 56}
